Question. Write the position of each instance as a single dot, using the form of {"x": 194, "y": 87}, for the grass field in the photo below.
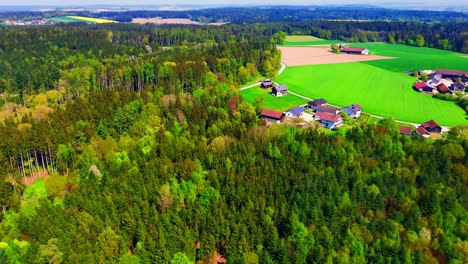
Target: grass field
{"x": 414, "y": 58}
{"x": 307, "y": 41}
{"x": 69, "y": 19}
{"x": 378, "y": 91}
{"x": 65, "y": 19}
{"x": 282, "y": 103}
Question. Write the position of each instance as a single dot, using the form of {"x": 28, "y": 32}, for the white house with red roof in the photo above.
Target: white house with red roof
{"x": 329, "y": 120}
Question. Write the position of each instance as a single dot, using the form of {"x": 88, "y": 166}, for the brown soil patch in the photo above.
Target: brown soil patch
{"x": 38, "y": 175}
{"x": 295, "y": 56}
{"x": 173, "y": 21}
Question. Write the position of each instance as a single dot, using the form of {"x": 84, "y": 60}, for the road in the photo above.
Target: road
{"x": 283, "y": 67}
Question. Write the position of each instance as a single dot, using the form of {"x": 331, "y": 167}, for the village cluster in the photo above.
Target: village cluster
{"x": 326, "y": 115}
{"x": 443, "y": 81}
{"x": 330, "y": 117}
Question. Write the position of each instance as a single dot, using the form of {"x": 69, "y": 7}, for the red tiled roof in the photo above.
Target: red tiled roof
{"x": 328, "y": 116}
{"x": 272, "y": 114}
{"x": 352, "y": 49}
{"x": 421, "y": 131}
{"x": 406, "y": 130}
{"x": 420, "y": 85}
{"x": 443, "y": 88}
{"x": 430, "y": 124}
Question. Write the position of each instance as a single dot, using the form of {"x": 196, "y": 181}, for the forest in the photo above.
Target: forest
{"x": 131, "y": 144}
{"x": 262, "y": 14}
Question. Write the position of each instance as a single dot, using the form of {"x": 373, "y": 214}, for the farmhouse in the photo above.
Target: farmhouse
{"x": 406, "y": 130}
{"x": 272, "y": 116}
{"x": 318, "y": 102}
{"x": 279, "y": 90}
{"x": 422, "y": 132}
{"x": 361, "y": 51}
{"x": 431, "y": 126}
{"x": 353, "y": 110}
{"x": 329, "y": 120}
{"x": 326, "y": 109}
{"x": 424, "y": 87}
{"x": 266, "y": 83}
{"x": 452, "y": 74}
{"x": 295, "y": 112}
{"x": 458, "y": 87}
{"x": 442, "y": 88}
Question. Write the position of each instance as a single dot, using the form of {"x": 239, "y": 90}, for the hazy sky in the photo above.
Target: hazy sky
{"x": 224, "y": 2}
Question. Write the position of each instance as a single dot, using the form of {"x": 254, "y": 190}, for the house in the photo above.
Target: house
{"x": 326, "y": 109}
{"x": 266, "y": 83}
{"x": 318, "y": 102}
{"x": 422, "y": 132}
{"x": 431, "y": 126}
{"x": 353, "y": 110}
{"x": 361, "y": 51}
{"x": 406, "y": 130}
{"x": 419, "y": 86}
{"x": 435, "y": 80}
{"x": 272, "y": 116}
{"x": 442, "y": 88}
{"x": 329, "y": 120}
{"x": 458, "y": 87}
{"x": 424, "y": 87}
{"x": 452, "y": 74}
{"x": 279, "y": 90}
{"x": 295, "y": 112}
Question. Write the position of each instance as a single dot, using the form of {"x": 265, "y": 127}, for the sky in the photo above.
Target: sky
{"x": 223, "y": 2}
{"x": 453, "y": 5}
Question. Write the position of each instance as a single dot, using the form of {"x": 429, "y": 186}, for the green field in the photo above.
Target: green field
{"x": 307, "y": 41}
{"x": 378, "y": 91}
{"x": 282, "y": 103}
{"x": 414, "y": 58}
{"x": 71, "y": 19}
{"x": 65, "y": 19}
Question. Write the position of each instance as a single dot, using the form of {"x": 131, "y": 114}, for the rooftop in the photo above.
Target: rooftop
{"x": 328, "y": 116}
{"x": 272, "y": 113}
{"x": 406, "y": 130}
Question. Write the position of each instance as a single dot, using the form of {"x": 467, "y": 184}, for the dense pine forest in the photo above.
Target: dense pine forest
{"x": 131, "y": 144}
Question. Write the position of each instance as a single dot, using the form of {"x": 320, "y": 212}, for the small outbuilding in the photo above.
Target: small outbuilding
{"x": 266, "y": 83}
{"x": 272, "y": 115}
{"x": 406, "y": 130}
{"x": 279, "y": 90}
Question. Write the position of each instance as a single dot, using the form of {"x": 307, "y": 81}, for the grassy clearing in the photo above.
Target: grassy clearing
{"x": 378, "y": 91}
{"x": 414, "y": 58}
{"x": 92, "y": 19}
{"x": 307, "y": 41}
{"x": 282, "y": 103}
